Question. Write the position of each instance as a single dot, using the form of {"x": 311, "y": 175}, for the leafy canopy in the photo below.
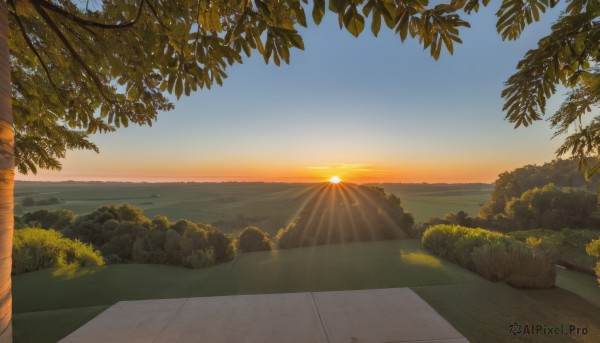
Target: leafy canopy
{"x": 81, "y": 67}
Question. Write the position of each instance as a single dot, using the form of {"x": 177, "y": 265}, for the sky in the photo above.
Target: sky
{"x": 366, "y": 109}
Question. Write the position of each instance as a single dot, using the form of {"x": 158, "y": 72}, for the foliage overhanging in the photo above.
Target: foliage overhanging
{"x": 81, "y": 67}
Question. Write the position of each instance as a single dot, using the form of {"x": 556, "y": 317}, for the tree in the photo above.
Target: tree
{"x": 508, "y": 185}
{"x": 81, "y": 67}
{"x": 254, "y": 239}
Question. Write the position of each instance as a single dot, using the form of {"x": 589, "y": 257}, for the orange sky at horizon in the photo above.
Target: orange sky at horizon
{"x": 348, "y": 172}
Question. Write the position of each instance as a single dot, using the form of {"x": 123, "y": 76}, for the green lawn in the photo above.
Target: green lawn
{"x": 584, "y": 285}
{"x": 483, "y": 313}
{"x": 50, "y": 304}
{"x": 50, "y": 326}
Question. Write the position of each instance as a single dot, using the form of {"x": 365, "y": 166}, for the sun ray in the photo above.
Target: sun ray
{"x": 395, "y": 226}
{"x": 331, "y": 230}
{"x": 352, "y": 194}
{"x": 319, "y": 198}
{"x": 308, "y": 195}
{"x": 320, "y": 224}
{"x": 348, "y": 208}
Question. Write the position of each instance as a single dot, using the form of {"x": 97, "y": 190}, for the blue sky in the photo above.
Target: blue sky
{"x": 369, "y": 109}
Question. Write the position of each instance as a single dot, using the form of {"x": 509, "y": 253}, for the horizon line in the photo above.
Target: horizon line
{"x": 253, "y": 181}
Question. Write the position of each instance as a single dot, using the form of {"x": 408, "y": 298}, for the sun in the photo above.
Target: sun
{"x": 335, "y": 179}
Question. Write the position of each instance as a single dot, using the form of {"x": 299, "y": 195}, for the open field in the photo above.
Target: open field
{"x": 450, "y": 289}
{"x": 267, "y": 205}
{"x": 435, "y": 200}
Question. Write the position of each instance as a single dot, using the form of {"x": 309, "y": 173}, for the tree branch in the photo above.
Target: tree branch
{"x": 72, "y": 50}
{"x": 35, "y": 51}
{"x": 86, "y": 22}
{"x": 155, "y": 13}
{"x": 240, "y": 20}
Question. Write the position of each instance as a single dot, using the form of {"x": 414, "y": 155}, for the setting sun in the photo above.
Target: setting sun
{"x": 335, "y": 179}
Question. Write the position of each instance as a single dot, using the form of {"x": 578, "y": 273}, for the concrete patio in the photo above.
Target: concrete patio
{"x": 375, "y": 315}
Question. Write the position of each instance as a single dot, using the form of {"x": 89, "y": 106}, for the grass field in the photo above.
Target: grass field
{"x": 268, "y": 205}
{"x": 435, "y": 200}
{"x": 49, "y": 304}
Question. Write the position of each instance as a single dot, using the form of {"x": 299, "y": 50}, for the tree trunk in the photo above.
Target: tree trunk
{"x": 7, "y": 142}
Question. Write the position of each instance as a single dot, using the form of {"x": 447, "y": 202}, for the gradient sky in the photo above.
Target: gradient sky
{"x": 366, "y": 109}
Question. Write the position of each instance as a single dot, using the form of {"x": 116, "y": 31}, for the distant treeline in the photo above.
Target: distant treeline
{"x": 552, "y": 196}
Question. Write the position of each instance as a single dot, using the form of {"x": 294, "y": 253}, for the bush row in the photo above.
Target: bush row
{"x": 35, "y": 249}
{"x": 493, "y": 255}
{"x": 122, "y": 235}
{"x": 125, "y": 234}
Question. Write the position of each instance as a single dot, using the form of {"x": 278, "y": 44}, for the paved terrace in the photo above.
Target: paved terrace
{"x": 375, "y": 316}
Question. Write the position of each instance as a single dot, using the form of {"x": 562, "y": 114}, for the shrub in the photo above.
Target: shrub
{"x": 515, "y": 263}
{"x": 456, "y": 243}
{"x": 551, "y": 247}
{"x": 496, "y": 261}
{"x": 124, "y": 234}
{"x": 45, "y": 219}
{"x": 46, "y": 202}
{"x": 532, "y": 271}
{"x": 200, "y": 258}
{"x": 578, "y": 237}
{"x": 566, "y": 245}
{"x": 254, "y": 239}
{"x": 593, "y": 249}
{"x": 493, "y": 255}
{"x": 27, "y": 201}
{"x": 35, "y": 249}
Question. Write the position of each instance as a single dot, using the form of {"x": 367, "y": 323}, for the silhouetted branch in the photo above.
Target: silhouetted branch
{"x": 86, "y": 22}
{"x": 72, "y": 50}
{"x": 33, "y": 48}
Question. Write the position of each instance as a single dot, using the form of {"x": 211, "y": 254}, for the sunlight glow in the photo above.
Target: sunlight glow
{"x": 335, "y": 179}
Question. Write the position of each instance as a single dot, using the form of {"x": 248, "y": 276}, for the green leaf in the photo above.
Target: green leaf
{"x": 368, "y": 7}
{"x": 188, "y": 88}
{"x": 171, "y": 82}
{"x": 448, "y": 43}
{"x": 376, "y": 22}
{"x": 263, "y": 9}
{"x": 333, "y": 7}
{"x": 178, "y": 87}
{"x": 318, "y": 11}
{"x": 300, "y": 15}
{"x": 296, "y": 40}
{"x": 216, "y": 19}
{"x": 354, "y": 22}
